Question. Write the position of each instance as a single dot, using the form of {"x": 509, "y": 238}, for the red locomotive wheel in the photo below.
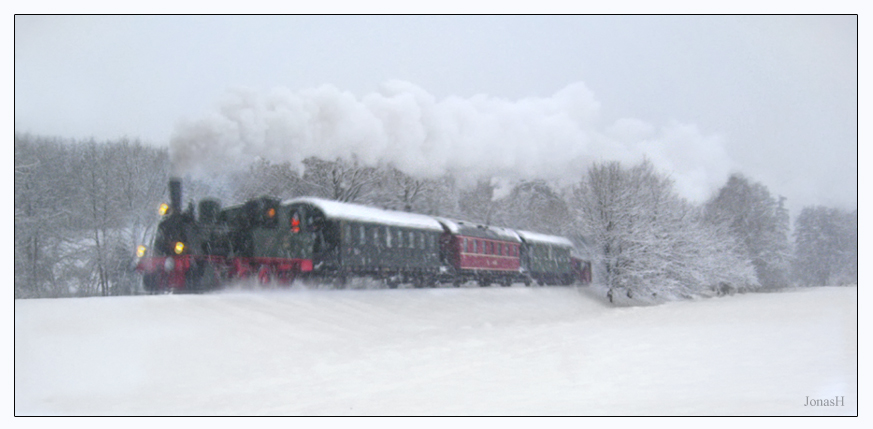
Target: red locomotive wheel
{"x": 264, "y": 275}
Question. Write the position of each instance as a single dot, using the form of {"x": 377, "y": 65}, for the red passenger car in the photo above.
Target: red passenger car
{"x": 485, "y": 254}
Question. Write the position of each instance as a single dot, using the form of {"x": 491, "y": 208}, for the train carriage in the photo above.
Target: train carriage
{"x": 485, "y": 254}
{"x": 354, "y": 240}
{"x": 546, "y": 258}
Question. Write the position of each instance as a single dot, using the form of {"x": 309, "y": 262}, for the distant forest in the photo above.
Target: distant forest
{"x": 82, "y": 207}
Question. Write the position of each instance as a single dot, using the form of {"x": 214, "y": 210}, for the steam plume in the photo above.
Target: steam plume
{"x": 552, "y": 138}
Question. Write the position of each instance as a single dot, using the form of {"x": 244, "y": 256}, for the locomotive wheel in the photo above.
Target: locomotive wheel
{"x": 202, "y": 278}
{"x": 286, "y": 278}
{"x": 423, "y": 281}
{"x": 340, "y": 281}
{"x": 264, "y": 275}
{"x": 150, "y": 283}
{"x": 392, "y": 282}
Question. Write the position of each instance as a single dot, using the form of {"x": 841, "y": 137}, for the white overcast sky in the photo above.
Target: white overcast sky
{"x": 780, "y": 92}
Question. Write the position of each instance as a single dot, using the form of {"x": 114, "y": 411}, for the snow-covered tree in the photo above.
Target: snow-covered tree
{"x": 266, "y": 178}
{"x": 43, "y": 200}
{"x": 535, "y": 206}
{"x": 649, "y": 241}
{"x": 760, "y": 224}
{"x": 477, "y": 204}
{"x": 80, "y": 210}
{"x": 340, "y": 180}
{"x": 396, "y": 190}
{"x": 826, "y": 246}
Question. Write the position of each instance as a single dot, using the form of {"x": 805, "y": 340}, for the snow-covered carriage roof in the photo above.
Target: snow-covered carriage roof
{"x": 528, "y": 236}
{"x": 459, "y": 227}
{"x": 357, "y": 212}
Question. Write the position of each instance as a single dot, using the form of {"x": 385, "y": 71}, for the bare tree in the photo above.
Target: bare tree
{"x": 42, "y": 210}
{"x": 339, "y": 180}
{"x": 80, "y": 208}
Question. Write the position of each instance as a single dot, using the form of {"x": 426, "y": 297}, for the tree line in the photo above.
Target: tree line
{"x": 81, "y": 207}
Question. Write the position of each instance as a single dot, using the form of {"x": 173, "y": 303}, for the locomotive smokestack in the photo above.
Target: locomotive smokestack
{"x": 175, "y": 195}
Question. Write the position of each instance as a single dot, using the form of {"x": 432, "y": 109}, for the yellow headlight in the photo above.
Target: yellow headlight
{"x": 180, "y": 247}
{"x": 140, "y": 251}
{"x": 163, "y": 209}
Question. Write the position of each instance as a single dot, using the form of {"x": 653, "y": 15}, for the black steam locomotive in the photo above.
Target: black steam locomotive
{"x": 279, "y": 241}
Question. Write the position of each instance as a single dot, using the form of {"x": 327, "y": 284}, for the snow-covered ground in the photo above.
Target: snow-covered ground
{"x": 467, "y": 351}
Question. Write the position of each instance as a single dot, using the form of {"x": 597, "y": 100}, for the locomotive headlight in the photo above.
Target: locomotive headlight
{"x": 163, "y": 209}
{"x": 180, "y": 247}
{"x": 140, "y": 251}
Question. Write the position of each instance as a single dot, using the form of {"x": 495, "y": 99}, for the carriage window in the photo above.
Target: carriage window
{"x": 314, "y": 221}
{"x": 362, "y": 238}
{"x": 500, "y": 249}
{"x": 387, "y": 237}
{"x": 376, "y": 241}
{"x": 410, "y": 241}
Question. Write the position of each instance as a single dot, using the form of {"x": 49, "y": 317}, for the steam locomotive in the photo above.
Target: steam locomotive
{"x": 280, "y": 241}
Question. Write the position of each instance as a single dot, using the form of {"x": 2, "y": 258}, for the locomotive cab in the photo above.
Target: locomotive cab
{"x": 311, "y": 236}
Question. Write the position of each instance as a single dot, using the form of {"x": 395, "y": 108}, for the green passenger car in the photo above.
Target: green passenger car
{"x": 546, "y": 258}
{"x": 350, "y": 239}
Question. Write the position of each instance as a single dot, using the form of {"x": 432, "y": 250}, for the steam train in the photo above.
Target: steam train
{"x": 329, "y": 241}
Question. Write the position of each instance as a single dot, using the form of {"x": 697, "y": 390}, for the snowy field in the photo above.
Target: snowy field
{"x": 467, "y": 351}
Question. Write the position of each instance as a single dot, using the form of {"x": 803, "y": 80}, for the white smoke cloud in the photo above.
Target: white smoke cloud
{"x": 552, "y": 138}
